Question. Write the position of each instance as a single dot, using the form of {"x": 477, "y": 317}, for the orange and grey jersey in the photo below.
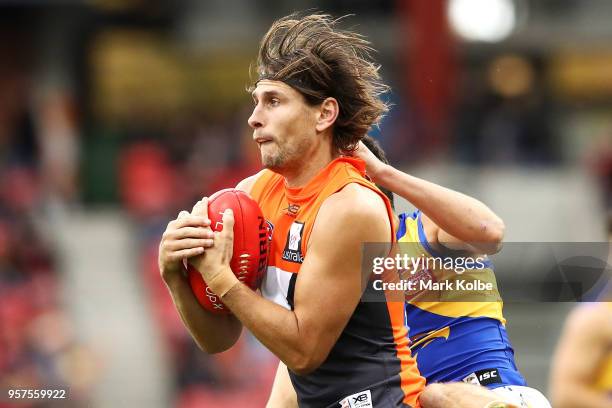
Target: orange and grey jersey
{"x": 370, "y": 365}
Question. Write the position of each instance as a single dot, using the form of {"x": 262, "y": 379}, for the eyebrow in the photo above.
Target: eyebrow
{"x": 266, "y": 94}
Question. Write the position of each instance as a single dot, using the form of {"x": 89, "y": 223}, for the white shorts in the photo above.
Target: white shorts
{"x": 523, "y": 397}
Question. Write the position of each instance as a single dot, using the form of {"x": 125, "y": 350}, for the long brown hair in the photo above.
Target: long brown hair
{"x": 312, "y": 55}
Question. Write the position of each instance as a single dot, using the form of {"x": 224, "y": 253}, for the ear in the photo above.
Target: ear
{"x": 327, "y": 114}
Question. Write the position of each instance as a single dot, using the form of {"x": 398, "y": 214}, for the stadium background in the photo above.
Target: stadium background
{"x": 116, "y": 114}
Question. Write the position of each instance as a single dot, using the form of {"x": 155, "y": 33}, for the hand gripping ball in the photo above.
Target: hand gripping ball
{"x": 250, "y": 253}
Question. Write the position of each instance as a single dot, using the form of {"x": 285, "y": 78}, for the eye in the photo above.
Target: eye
{"x": 274, "y": 102}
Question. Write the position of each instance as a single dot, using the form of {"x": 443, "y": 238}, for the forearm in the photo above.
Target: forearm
{"x": 282, "y": 395}
{"x": 458, "y": 394}
{"x": 459, "y": 215}
{"x": 274, "y": 326}
{"x": 213, "y": 333}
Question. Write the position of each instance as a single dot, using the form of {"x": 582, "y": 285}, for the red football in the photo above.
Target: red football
{"x": 250, "y": 256}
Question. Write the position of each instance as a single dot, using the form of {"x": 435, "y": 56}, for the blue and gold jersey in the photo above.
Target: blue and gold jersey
{"x": 456, "y": 335}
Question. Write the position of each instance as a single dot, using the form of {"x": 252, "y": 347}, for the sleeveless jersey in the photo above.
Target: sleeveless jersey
{"x": 456, "y": 337}
{"x": 371, "y": 361}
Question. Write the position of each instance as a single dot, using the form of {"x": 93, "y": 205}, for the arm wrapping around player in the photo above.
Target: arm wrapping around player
{"x": 450, "y": 218}
{"x": 282, "y": 395}
{"x": 329, "y": 280}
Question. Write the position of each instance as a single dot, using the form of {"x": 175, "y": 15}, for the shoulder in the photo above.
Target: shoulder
{"x": 247, "y": 184}
{"x": 355, "y": 199}
{"x": 359, "y": 208}
{"x": 361, "y": 198}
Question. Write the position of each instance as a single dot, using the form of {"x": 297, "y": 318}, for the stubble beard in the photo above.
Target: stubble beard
{"x": 286, "y": 158}
{"x": 275, "y": 160}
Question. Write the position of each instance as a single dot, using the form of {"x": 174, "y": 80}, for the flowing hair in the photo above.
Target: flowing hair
{"x": 312, "y": 55}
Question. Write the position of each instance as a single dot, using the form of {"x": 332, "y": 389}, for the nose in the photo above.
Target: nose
{"x": 255, "y": 120}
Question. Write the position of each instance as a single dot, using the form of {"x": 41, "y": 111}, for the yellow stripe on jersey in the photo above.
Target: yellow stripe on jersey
{"x": 450, "y": 303}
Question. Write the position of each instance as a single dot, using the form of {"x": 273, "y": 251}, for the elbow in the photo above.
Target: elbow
{"x": 497, "y": 237}
{"x": 218, "y": 344}
{"x": 221, "y": 339}
{"x": 213, "y": 348}
{"x": 303, "y": 368}
{"x": 305, "y": 363}
{"x": 493, "y": 237}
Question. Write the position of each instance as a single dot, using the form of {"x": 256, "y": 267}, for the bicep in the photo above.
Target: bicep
{"x": 329, "y": 285}
{"x": 328, "y": 280}
{"x": 440, "y": 239}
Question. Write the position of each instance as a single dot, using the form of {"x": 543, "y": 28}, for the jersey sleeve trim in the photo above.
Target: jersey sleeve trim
{"x": 423, "y": 238}
{"x": 401, "y": 231}
{"x": 487, "y": 263}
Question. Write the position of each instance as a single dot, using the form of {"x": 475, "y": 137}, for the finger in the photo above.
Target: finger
{"x": 191, "y": 221}
{"x": 186, "y": 253}
{"x": 190, "y": 232}
{"x": 189, "y": 243}
{"x": 183, "y": 214}
{"x": 201, "y": 208}
{"x": 228, "y": 223}
{"x": 196, "y": 207}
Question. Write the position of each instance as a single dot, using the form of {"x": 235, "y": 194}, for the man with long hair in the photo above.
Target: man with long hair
{"x": 316, "y": 95}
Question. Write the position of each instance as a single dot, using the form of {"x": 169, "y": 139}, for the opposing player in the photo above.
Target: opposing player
{"x": 581, "y": 371}
{"x": 458, "y": 337}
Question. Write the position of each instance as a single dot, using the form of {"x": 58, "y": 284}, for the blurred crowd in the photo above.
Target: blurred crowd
{"x": 63, "y": 145}
{"x": 39, "y": 346}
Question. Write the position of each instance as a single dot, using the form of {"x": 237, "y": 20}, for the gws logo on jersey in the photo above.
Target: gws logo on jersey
{"x": 360, "y": 400}
{"x": 293, "y": 246}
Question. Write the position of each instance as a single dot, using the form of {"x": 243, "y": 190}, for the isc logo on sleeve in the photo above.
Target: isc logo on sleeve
{"x": 293, "y": 246}
{"x": 361, "y": 399}
{"x": 484, "y": 377}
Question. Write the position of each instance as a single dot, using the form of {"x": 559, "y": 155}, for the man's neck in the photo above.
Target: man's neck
{"x": 301, "y": 176}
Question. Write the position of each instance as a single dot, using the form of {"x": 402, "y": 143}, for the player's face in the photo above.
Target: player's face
{"x": 283, "y": 125}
